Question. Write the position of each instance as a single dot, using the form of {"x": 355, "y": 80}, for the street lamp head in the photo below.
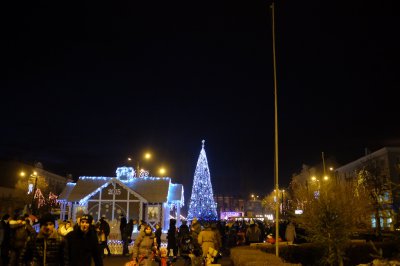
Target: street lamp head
{"x": 162, "y": 171}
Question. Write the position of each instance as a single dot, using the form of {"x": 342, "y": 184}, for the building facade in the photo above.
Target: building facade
{"x": 386, "y": 163}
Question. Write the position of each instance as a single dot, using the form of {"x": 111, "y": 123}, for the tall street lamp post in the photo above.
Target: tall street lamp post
{"x": 32, "y": 176}
{"x": 33, "y": 207}
{"x": 276, "y": 130}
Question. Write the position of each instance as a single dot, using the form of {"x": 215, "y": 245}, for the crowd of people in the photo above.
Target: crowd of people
{"x": 86, "y": 241}
{"x": 76, "y": 245}
{"x": 206, "y": 241}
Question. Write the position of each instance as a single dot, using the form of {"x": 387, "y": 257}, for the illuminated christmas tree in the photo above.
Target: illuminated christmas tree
{"x": 202, "y": 205}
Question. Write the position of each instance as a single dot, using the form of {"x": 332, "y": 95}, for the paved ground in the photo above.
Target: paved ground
{"x": 119, "y": 260}
{"x": 115, "y": 260}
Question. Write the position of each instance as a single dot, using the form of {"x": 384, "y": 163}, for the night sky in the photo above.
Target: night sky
{"x": 85, "y": 84}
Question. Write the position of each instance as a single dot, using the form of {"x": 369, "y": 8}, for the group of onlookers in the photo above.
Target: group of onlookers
{"x": 68, "y": 245}
{"x": 85, "y": 241}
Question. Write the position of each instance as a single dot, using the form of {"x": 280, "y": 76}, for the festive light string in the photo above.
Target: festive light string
{"x": 128, "y": 173}
{"x": 125, "y": 176}
{"x": 172, "y": 202}
{"x": 94, "y": 177}
{"x": 52, "y": 198}
{"x": 83, "y": 202}
{"x": 39, "y": 196}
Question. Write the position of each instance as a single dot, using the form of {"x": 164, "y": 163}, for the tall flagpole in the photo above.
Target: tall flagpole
{"x": 276, "y": 136}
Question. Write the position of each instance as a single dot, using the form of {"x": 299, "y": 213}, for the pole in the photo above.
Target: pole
{"x": 138, "y": 169}
{"x": 33, "y": 197}
{"x": 276, "y": 134}
{"x": 283, "y": 214}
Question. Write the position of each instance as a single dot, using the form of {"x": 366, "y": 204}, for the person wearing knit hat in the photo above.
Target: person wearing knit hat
{"x": 47, "y": 248}
{"x": 88, "y": 218}
{"x": 46, "y": 218}
{"x": 82, "y": 244}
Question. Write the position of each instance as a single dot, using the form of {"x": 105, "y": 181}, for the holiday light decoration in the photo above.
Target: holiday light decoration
{"x": 172, "y": 203}
{"x": 143, "y": 173}
{"x": 202, "y": 205}
{"x": 39, "y": 196}
{"x": 125, "y": 173}
{"x": 52, "y": 198}
{"x": 30, "y": 189}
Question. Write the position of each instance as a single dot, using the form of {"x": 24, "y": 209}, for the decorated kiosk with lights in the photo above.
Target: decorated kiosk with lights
{"x": 136, "y": 196}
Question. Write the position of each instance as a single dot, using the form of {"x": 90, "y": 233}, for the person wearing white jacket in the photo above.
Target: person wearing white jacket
{"x": 65, "y": 228}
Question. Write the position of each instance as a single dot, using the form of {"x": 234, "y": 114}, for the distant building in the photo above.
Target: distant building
{"x": 11, "y": 172}
{"x": 10, "y": 200}
{"x": 254, "y": 208}
{"x": 387, "y": 160}
{"x": 227, "y": 203}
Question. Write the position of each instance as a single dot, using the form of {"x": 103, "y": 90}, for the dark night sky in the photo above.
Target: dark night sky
{"x": 86, "y": 84}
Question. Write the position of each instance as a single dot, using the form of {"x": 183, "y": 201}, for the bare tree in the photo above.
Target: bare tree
{"x": 331, "y": 213}
{"x": 373, "y": 181}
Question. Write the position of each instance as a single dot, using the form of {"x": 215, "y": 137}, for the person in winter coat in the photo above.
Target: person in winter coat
{"x": 172, "y": 242}
{"x": 189, "y": 250}
{"x": 104, "y": 229}
{"x": 183, "y": 229}
{"x": 253, "y": 233}
{"x": 144, "y": 247}
{"x": 20, "y": 232}
{"x": 47, "y": 248}
{"x": 207, "y": 238}
{"x": 128, "y": 235}
{"x": 5, "y": 242}
{"x": 122, "y": 226}
{"x": 65, "y": 228}
{"x": 158, "y": 234}
{"x": 195, "y": 228}
{"x": 290, "y": 233}
{"x": 82, "y": 244}
{"x": 218, "y": 238}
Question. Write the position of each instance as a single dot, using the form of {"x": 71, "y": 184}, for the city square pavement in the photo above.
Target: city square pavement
{"x": 116, "y": 260}
{"x": 119, "y": 260}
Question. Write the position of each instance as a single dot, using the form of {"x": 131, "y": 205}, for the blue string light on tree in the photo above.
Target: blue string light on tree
{"x": 202, "y": 205}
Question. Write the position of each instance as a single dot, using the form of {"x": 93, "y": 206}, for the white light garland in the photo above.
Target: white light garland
{"x": 83, "y": 202}
{"x": 30, "y": 189}
{"x": 202, "y": 205}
